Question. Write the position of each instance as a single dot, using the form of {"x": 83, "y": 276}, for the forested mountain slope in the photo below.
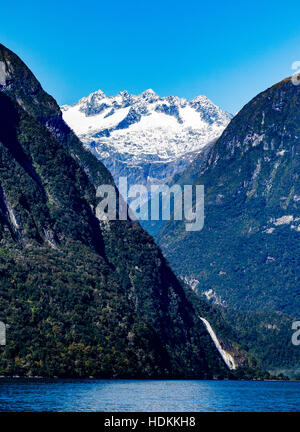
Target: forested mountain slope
{"x": 247, "y": 256}
{"x": 81, "y": 298}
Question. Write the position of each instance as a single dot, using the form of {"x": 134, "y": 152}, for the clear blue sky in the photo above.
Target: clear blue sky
{"x": 227, "y": 50}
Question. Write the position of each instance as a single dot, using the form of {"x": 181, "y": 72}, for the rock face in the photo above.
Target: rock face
{"x": 145, "y": 137}
{"x": 81, "y": 298}
{"x": 248, "y": 253}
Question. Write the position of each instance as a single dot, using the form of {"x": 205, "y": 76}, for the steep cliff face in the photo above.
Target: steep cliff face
{"x": 81, "y": 298}
{"x": 247, "y": 255}
{"x": 250, "y": 236}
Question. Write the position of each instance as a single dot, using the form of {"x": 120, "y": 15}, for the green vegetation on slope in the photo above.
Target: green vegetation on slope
{"x": 248, "y": 256}
{"x": 80, "y": 298}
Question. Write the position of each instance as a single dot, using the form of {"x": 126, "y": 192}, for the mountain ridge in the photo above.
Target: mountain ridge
{"x": 145, "y": 137}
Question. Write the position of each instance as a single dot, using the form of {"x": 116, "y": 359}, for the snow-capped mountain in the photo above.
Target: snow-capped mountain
{"x": 145, "y": 137}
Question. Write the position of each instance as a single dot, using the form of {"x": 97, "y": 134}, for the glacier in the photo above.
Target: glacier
{"x": 145, "y": 137}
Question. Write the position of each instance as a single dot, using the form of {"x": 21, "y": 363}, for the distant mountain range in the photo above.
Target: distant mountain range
{"x": 145, "y": 137}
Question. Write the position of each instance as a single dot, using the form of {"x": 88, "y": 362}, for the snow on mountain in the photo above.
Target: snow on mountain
{"x": 145, "y": 137}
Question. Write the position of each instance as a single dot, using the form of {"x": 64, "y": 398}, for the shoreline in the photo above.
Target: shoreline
{"x": 39, "y": 378}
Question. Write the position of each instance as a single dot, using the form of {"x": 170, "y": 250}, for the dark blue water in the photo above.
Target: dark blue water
{"x": 147, "y": 395}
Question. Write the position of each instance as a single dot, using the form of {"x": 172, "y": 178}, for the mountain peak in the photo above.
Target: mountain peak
{"x": 149, "y": 92}
{"x": 18, "y": 82}
{"x": 124, "y": 93}
{"x": 99, "y": 93}
{"x": 149, "y": 95}
{"x": 95, "y": 96}
{"x": 201, "y": 98}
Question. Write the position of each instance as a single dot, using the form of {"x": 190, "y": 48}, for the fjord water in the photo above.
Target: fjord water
{"x": 148, "y": 395}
